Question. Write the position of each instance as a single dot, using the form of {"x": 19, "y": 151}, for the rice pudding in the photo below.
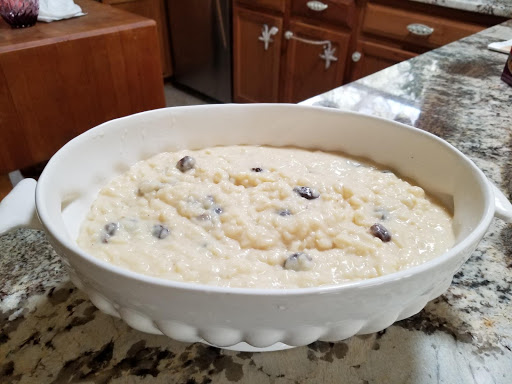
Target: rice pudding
{"x": 264, "y": 217}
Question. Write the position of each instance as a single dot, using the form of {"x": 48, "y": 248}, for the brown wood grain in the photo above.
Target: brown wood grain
{"x": 375, "y": 57}
{"x": 5, "y": 186}
{"x": 99, "y": 20}
{"x": 306, "y": 75}
{"x": 155, "y": 10}
{"x": 443, "y": 12}
{"x": 60, "y": 79}
{"x": 392, "y": 23}
{"x": 338, "y": 12}
{"x": 256, "y": 70}
{"x": 271, "y": 5}
{"x": 376, "y": 28}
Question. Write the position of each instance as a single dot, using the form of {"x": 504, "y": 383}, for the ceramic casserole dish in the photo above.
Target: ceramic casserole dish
{"x": 253, "y": 319}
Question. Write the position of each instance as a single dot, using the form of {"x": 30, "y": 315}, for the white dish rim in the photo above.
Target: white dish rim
{"x": 474, "y": 235}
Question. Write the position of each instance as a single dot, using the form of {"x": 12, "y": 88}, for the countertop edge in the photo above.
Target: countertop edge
{"x": 488, "y": 7}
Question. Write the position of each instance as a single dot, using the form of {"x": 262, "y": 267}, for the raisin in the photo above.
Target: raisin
{"x": 218, "y": 210}
{"x": 160, "y": 231}
{"x": 257, "y": 169}
{"x": 299, "y": 261}
{"x": 307, "y": 192}
{"x": 109, "y": 230}
{"x": 186, "y": 163}
{"x": 378, "y": 230}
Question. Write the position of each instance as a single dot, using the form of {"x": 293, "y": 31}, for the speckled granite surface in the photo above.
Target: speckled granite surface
{"x": 51, "y": 333}
{"x": 489, "y": 7}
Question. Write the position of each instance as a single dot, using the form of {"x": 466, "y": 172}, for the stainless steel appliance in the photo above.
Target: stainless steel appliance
{"x": 201, "y": 46}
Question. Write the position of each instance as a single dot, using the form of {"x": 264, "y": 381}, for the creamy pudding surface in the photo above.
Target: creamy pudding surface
{"x": 264, "y": 217}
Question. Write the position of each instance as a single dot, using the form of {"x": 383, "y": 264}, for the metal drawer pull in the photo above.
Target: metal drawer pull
{"x": 266, "y": 35}
{"x": 327, "y": 55}
{"x": 420, "y": 29}
{"x": 356, "y": 56}
{"x": 317, "y": 6}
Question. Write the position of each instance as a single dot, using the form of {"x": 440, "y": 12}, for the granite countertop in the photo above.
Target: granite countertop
{"x": 51, "y": 333}
{"x": 489, "y": 7}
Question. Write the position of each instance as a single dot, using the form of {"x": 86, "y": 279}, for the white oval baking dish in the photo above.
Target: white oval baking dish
{"x": 252, "y": 319}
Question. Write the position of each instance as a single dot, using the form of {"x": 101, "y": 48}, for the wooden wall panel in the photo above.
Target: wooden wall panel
{"x": 59, "y": 80}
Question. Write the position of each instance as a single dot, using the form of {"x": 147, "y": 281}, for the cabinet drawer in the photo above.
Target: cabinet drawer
{"x": 338, "y": 12}
{"x": 274, "y": 5}
{"x": 395, "y": 23}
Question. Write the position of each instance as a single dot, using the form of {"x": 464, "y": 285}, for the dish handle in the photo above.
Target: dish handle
{"x": 18, "y": 208}
{"x": 502, "y": 204}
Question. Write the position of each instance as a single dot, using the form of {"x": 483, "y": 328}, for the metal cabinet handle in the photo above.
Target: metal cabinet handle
{"x": 317, "y": 6}
{"x": 356, "y": 56}
{"x": 266, "y": 35}
{"x": 420, "y": 29}
{"x": 327, "y": 55}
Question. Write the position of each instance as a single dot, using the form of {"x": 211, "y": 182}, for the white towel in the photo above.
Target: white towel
{"x": 502, "y": 46}
{"x": 52, "y": 10}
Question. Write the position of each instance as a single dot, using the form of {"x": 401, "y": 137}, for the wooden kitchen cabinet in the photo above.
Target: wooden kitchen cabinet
{"x": 392, "y": 31}
{"x": 152, "y": 9}
{"x": 57, "y": 80}
{"x": 267, "y": 5}
{"x": 366, "y": 35}
{"x": 315, "y": 61}
{"x": 257, "y": 58}
{"x": 399, "y": 24}
{"x": 304, "y": 56}
{"x": 330, "y": 12}
{"x": 371, "y": 57}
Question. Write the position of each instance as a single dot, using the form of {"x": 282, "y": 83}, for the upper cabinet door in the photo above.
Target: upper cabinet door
{"x": 315, "y": 61}
{"x": 257, "y": 41}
